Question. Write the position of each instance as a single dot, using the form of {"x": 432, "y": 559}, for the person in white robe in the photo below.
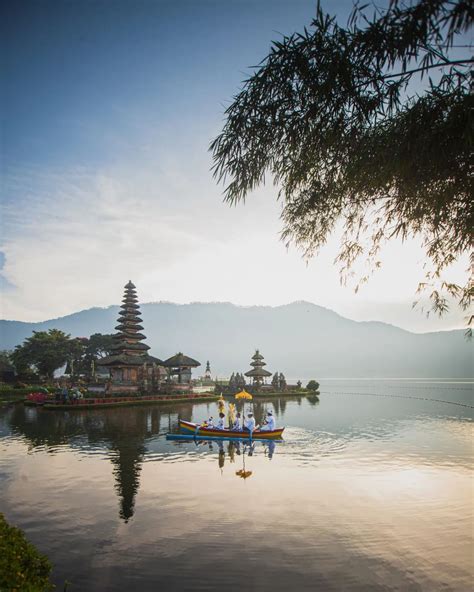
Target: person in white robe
{"x": 237, "y": 426}
{"x": 221, "y": 422}
{"x": 269, "y": 422}
{"x": 249, "y": 423}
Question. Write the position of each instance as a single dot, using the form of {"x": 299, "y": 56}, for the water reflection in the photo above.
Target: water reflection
{"x": 124, "y": 434}
{"x": 120, "y": 431}
{"x": 364, "y": 493}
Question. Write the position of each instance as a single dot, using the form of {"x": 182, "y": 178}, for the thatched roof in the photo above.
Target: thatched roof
{"x": 124, "y": 327}
{"x": 258, "y": 364}
{"x": 180, "y": 360}
{"x": 124, "y": 345}
{"x": 127, "y": 335}
{"x": 132, "y": 306}
{"x": 257, "y": 355}
{"x": 258, "y": 373}
{"x": 125, "y": 360}
{"x": 130, "y": 286}
{"x": 129, "y": 317}
{"x": 128, "y": 311}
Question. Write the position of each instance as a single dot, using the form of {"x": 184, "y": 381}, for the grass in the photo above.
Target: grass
{"x": 22, "y": 567}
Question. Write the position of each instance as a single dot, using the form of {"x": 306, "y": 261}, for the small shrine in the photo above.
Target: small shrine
{"x": 179, "y": 371}
{"x": 258, "y": 374}
{"x": 130, "y": 365}
{"x": 207, "y": 374}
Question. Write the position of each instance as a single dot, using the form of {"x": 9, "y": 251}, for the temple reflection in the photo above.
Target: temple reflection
{"x": 128, "y": 435}
{"x": 118, "y": 430}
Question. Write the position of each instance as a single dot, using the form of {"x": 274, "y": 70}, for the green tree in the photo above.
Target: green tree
{"x": 5, "y": 357}
{"x": 276, "y": 380}
{"x": 312, "y": 385}
{"x": 99, "y": 345}
{"x": 46, "y": 351}
{"x": 90, "y": 350}
{"x": 356, "y": 132}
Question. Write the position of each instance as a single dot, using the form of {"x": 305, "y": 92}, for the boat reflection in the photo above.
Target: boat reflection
{"x": 230, "y": 449}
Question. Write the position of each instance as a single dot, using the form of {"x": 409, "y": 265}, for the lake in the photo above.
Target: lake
{"x": 371, "y": 489}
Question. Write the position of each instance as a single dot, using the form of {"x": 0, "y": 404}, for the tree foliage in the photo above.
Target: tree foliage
{"x": 313, "y": 385}
{"x": 354, "y": 130}
{"x": 276, "y": 380}
{"x": 91, "y": 350}
{"x": 46, "y": 351}
{"x": 99, "y": 345}
{"x": 22, "y": 567}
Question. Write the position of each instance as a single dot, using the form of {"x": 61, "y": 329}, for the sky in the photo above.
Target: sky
{"x": 108, "y": 110}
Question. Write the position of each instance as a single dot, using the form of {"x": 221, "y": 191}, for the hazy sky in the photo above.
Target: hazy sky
{"x": 108, "y": 109}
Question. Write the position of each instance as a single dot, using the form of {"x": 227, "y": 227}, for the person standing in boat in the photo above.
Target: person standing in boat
{"x": 210, "y": 422}
{"x": 221, "y": 422}
{"x": 269, "y": 422}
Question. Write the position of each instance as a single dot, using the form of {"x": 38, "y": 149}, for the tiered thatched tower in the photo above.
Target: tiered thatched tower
{"x": 258, "y": 374}
{"x": 130, "y": 365}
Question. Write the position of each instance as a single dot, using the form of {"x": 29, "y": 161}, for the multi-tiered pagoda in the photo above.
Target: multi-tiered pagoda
{"x": 258, "y": 373}
{"x": 131, "y": 367}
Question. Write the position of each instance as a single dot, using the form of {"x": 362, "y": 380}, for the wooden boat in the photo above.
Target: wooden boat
{"x": 198, "y": 431}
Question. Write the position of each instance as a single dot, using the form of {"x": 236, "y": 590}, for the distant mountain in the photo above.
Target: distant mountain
{"x": 299, "y": 339}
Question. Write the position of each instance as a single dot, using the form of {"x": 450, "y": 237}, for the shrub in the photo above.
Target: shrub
{"x": 22, "y": 567}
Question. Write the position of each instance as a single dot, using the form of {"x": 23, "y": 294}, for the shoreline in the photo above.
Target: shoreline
{"x": 125, "y": 402}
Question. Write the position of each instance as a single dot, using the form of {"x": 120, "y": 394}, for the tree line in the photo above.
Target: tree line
{"x": 45, "y": 352}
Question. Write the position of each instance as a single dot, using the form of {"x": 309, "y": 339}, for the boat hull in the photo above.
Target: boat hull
{"x": 194, "y": 429}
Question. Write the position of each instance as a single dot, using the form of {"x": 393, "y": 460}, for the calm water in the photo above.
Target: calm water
{"x": 371, "y": 490}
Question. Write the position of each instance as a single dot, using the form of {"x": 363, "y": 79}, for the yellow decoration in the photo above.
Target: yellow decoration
{"x": 244, "y": 395}
{"x": 243, "y": 474}
{"x": 221, "y": 405}
{"x": 231, "y": 414}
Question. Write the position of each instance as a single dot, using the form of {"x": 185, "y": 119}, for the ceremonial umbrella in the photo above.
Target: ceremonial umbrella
{"x": 244, "y": 395}
{"x": 243, "y": 474}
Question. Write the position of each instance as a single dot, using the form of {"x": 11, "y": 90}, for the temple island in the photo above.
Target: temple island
{"x": 131, "y": 375}
{"x": 134, "y": 375}
{"x": 132, "y": 369}
{"x": 260, "y": 383}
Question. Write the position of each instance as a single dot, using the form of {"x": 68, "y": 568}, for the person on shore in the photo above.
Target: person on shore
{"x": 221, "y": 422}
{"x": 269, "y": 422}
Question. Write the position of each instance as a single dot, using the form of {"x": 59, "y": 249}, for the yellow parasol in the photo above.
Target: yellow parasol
{"x": 244, "y": 395}
{"x": 243, "y": 474}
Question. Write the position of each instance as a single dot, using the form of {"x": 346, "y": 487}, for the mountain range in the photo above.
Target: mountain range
{"x": 302, "y": 340}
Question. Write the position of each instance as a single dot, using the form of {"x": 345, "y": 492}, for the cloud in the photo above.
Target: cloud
{"x": 72, "y": 238}
{"x": 78, "y": 235}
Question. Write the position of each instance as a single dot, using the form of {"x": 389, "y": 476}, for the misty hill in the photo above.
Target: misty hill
{"x": 300, "y": 339}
